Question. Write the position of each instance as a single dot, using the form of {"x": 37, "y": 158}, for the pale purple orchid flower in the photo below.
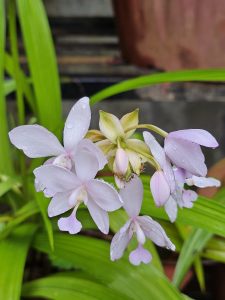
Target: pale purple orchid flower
{"x": 167, "y": 184}
{"x": 70, "y": 190}
{"x": 143, "y": 226}
{"x": 183, "y": 149}
{"x": 37, "y": 141}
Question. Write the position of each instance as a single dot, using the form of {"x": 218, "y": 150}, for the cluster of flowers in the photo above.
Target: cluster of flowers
{"x": 69, "y": 175}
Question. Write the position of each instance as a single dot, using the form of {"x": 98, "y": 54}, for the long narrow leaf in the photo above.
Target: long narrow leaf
{"x": 23, "y": 214}
{"x": 9, "y": 86}
{"x": 5, "y": 159}
{"x": 13, "y": 252}
{"x": 8, "y": 184}
{"x": 190, "y": 250}
{"x": 147, "y": 80}
{"x": 42, "y": 61}
{"x": 43, "y": 204}
{"x": 68, "y": 287}
{"x": 25, "y": 82}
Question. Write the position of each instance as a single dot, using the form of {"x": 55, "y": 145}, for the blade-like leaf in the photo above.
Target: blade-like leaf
{"x": 68, "y": 287}
{"x": 25, "y": 82}
{"x": 43, "y": 204}
{"x": 21, "y": 215}
{"x": 147, "y": 80}
{"x": 9, "y": 86}
{"x": 215, "y": 249}
{"x": 192, "y": 247}
{"x": 5, "y": 159}
{"x": 42, "y": 61}
{"x": 13, "y": 252}
{"x": 92, "y": 256}
{"x": 8, "y": 184}
{"x": 199, "y": 271}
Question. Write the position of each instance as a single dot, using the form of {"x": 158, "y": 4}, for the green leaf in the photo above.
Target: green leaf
{"x": 8, "y": 184}
{"x": 9, "y": 86}
{"x": 15, "y": 61}
{"x": 13, "y": 252}
{"x": 21, "y": 215}
{"x": 92, "y": 256}
{"x": 25, "y": 82}
{"x": 5, "y": 159}
{"x": 147, "y": 80}
{"x": 42, "y": 61}
{"x": 215, "y": 250}
{"x": 192, "y": 247}
{"x": 199, "y": 270}
{"x": 43, "y": 205}
{"x": 68, "y": 287}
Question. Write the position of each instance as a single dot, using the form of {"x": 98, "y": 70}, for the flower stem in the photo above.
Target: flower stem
{"x": 149, "y": 127}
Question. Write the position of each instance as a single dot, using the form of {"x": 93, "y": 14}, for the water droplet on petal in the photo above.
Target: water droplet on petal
{"x": 69, "y": 125}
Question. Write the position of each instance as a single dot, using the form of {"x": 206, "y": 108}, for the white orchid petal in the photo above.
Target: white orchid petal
{"x": 99, "y": 216}
{"x": 155, "y": 148}
{"x": 186, "y": 155}
{"x": 35, "y": 141}
{"x": 132, "y": 195}
{"x": 198, "y": 136}
{"x": 86, "y": 165}
{"x": 171, "y": 209}
{"x": 104, "y": 195}
{"x": 88, "y": 145}
{"x": 188, "y": 198}
{"x": 160, "y": 188}
{"x": 155, "y": 232}
{"x": 59, "y": 204}
{"x": 120, "y": 241}
{"x": 203, "y": 182}
{"x": 77, "y": 123}
{"x": 56, "y": 179}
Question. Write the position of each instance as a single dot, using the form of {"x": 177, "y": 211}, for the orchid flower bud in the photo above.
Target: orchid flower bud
{"x": 121, "y": 162}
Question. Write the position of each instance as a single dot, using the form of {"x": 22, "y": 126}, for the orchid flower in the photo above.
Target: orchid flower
{"x": 126, "y": 155}
{"x": 37, "y": 141}
{"x": 143, "y": 226}
{"x": 183, "y": 149}
{"x": 167, "y": 184}
{"x": 69, "y": 190}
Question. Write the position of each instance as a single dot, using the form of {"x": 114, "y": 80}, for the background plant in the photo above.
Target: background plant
{"x": 197, "y": 233}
